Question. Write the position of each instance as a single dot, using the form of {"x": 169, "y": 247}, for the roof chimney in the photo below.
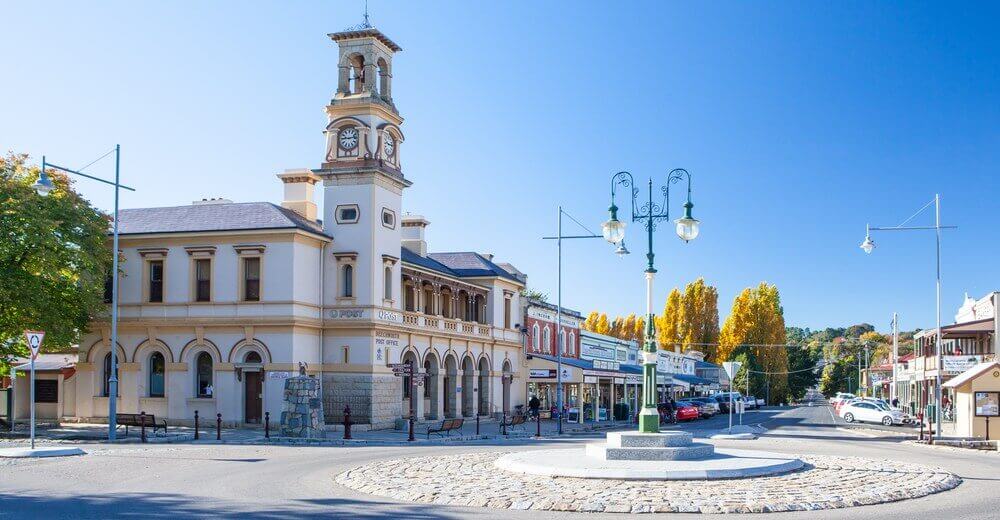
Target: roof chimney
{"x": 299, "y": 184}
{"x": 413, "y": 228}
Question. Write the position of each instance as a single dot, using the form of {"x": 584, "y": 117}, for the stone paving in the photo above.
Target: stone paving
{"x": 472, "y": 480}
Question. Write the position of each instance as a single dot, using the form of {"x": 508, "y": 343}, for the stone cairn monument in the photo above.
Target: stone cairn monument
{"x": 303, "y": 413}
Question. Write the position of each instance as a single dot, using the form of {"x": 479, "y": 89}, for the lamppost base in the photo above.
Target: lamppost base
{"x": 649, "y": 420}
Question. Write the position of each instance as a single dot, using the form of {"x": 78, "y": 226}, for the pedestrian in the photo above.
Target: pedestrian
{"x": 895, "y": 402}
{"x": 533, "y": 405}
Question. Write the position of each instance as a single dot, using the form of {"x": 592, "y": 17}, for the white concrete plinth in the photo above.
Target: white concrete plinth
{"x": 48, "y": 451}
{"x": 723, "y": 464}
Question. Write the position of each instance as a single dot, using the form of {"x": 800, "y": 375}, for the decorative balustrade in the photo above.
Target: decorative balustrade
{"x": 410, "y": 319}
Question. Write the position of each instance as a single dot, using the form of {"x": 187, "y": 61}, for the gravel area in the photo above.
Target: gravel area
{"x": 472, "y": 480}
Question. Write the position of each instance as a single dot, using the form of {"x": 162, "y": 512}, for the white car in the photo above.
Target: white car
{"x": 866, "y": 411}
{"x": 840, "y": 397}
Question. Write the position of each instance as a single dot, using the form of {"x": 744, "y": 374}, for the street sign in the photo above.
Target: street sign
{"x": 34, "y": 339}
{"x": 401, "y": 369}
{"x": 731, "y": 368}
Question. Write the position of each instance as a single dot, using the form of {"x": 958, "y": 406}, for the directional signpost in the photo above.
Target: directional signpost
{"x": 406, "y": 370}
{"x": 34, "y": 339}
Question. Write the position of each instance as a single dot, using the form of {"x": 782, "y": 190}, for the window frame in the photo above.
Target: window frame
{"x": 392, "y": 214}
{"x": 244, "y": 286}
{"x": 196, "y": 281}
{"x": 347, "y": 280}
{"x": 357, "y": 214}
{"x": 197, "y": 375}
{"x": 151, "y": 372}
{"x": 150, "y": 264}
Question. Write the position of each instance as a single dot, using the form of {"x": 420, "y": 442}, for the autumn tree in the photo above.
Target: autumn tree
{"x": 756, "y": 326}
{"x": 698, "y": 319}
{"x": 666, "y": 323}
{"x": 591, "y": 322}
{"x": 53, "y": 260}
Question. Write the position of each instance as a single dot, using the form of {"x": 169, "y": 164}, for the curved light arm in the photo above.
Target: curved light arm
{"x": 625, "y": 179}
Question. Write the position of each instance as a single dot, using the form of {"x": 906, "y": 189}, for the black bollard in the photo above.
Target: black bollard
{"x": 477, "y": 424}
{"x": 347, "y": 422}
{"x": 412, "y": 425}
{"x": 196, "y": 425}
{"x": 218, "y": 426}
{"x": 538, "y": 425}
{"x": 142, "y": 426}
{"x": 503, "y": 424}
{"x": 267, "y": 425}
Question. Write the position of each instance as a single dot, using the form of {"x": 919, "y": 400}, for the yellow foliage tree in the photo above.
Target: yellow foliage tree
{"x": 591, "y": 322}
{"x": 698, "y": 320}
{"x": 667, "y": 323}
{"x": 602, "y": 326}
{"x": 756, "y": 327}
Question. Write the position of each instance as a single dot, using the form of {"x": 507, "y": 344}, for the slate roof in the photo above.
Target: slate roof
{"x": 426, "y": 262}
{"x": 228, "y": 216}
{"x": 471, "y": 264}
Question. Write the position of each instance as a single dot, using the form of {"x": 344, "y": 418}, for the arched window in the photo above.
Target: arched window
{"x": 107, "y": 375}
{"x": 571, "y": 346}
{"x": 348, "y": 281}
{"x": 387, "y": 281}
{"x": 547, "y": 341}
{"x": 535, "y": 339}
{"x": 157, "y": 367}
{"x": 204, "y": 387}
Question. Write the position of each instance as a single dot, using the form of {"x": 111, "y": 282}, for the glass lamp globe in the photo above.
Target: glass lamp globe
{"x": 43, "y": 185}
{"x": 614, "y": 230}
{"x": 687, "y": 228}
{"x": 867, "y": 246}
{"x": 622, "y": 250}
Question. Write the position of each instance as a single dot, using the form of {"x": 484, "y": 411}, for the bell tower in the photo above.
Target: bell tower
{"x": 362, "y": 175}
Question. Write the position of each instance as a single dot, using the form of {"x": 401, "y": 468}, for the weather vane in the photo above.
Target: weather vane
{"x": 363, "y": 25}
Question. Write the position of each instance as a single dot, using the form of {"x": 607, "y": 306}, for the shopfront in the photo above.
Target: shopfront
{"x": 543, "y": 383}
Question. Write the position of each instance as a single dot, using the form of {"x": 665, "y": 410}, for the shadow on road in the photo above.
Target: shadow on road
{"x": 163, "y": 505}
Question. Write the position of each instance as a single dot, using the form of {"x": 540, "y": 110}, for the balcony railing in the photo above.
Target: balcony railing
{"x": 446, "y": 324}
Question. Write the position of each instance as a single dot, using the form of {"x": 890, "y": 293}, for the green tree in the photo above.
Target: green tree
{"x": 533, "y": 294}
{"x": 54, "y": 258}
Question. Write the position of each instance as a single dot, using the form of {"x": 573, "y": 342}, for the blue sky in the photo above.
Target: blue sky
{"x": 800, "y": 122}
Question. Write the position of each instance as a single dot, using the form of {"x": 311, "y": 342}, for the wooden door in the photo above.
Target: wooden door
{"x": 254, "y": 392}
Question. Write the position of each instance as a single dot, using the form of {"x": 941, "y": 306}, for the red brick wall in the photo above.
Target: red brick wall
{"x": 572, "y": 335}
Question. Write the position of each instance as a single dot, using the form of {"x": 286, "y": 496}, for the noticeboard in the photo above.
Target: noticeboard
{"x": 987, "y": 404}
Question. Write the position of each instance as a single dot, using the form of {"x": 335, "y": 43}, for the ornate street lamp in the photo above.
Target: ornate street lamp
{"x": 687, "y": 229}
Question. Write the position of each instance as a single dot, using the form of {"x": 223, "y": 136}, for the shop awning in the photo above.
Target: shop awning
{"x": 968, "y": 329}
{"x": 692, "y": 380}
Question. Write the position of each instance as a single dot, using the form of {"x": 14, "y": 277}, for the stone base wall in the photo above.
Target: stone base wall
{"x": 303, "y": 412}
{"x": 374, "y": 399}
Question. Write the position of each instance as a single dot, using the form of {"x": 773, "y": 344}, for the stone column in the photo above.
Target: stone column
{"x": 343, "y": 79}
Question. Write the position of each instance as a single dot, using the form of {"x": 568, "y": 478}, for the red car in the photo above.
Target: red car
{"x": 686, "y": 411}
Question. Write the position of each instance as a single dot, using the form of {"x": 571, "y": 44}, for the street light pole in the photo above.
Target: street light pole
{"x": 614, "y": 231}
{"x": 560, "y": 338}
{"x": 43, "y": 186}
{"x": 895, "y": 357}
{"x": 868, "y": 245}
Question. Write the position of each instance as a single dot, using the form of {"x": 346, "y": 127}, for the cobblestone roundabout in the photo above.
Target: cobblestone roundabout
{"x": 472, "y": 480}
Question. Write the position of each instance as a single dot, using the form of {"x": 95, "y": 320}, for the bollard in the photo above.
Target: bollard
{"x": 538, "y": 424}
{"x": 347, "y": 422}
{"x": 920, "y": 419}
{"x": 218, "y": 426}
{"x": 142, "y": 426}
{"x": 503, "y": 424}
{"x": 477, "y": 424}
{"x": 196, "y": 425}
{"x": 412, "y": 424}
{"x": 267, "y": 425}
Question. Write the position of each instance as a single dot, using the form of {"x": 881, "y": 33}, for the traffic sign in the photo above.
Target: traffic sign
{"x": 34, "y": 339}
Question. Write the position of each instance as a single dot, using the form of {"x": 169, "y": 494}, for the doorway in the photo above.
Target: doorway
{"x": 253, "y": 389}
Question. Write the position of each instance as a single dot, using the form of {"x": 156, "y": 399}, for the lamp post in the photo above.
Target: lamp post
{"x": 560, "y": 337}
{"x": 868, "y": 245}
{"x": 614, "y": 231}
{"x": 43, "y": 186}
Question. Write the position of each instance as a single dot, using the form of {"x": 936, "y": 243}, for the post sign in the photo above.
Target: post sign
{"x": 34, "y": 339}
{"x": 731, "y": 368}
{"x": 987, "y": 404}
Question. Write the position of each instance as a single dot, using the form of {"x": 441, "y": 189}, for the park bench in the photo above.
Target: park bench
{"x": 447, "y": 426}
{"x": 515, "y": 420}
{"x": 140, "y": 420}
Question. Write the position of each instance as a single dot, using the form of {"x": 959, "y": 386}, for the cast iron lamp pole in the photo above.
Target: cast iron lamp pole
{"x": 614, "y": 231}
{"x": 43, "y": 186}
{"x": 868, "y": 245}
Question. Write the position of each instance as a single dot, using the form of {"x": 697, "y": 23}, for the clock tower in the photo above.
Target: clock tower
{"x": 363, "y": 187}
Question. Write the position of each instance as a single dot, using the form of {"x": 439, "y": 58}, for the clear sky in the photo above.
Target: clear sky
{"x": 800, "y": 122}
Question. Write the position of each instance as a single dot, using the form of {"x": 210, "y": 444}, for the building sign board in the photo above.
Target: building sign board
{"x": 987, "y": 404}
{"x": 347, "y": 314}
{"x": 390, "y": 316}
{"x": 589, "y": 350}
{"x": 959, "y": 364}
{"x": 605, "y": 365}
{"x": 633, "y": 379}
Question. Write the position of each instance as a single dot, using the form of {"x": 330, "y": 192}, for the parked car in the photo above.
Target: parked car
{"x": 841, "y": 397}
{"x": 723, "y": 402}
{"x": 750, "y": 402}
{"x": 686, "y": 411}
{"x": 711, "y": 405}
{"x": 867, "y": 411}
{"x": 760, "y": 402}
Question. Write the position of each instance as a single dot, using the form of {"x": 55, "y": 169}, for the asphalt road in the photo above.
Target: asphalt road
{"x": 156, "y": 481}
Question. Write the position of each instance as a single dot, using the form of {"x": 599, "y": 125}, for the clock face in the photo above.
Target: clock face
{"x": 390, "y": 145}
{"x": 349, "y": 138}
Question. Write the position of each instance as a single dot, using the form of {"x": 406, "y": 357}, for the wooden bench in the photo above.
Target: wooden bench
{"x": 447, "y": 426}
{"x": 139, "y": 420}
{"x": 515, "y": 420}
